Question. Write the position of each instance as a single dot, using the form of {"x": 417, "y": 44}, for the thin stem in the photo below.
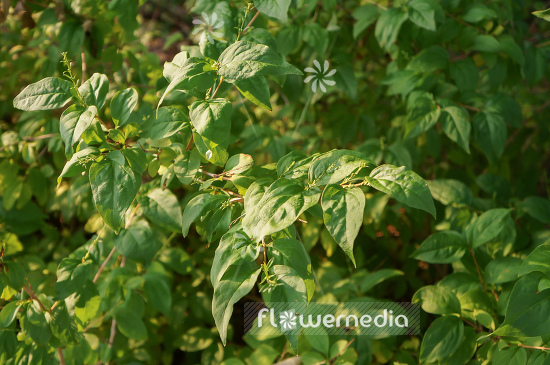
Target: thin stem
{"x": 33, "y": 296}
{"x": 478, "y": 271}
{"x": 44, "y": 136}
{"x": 250, "y": 23}
{"x": 83, "y": 54}
{"x": 61, "y": 357}
{"x": 217, "y": 88}
{"x": 533, "y": 347}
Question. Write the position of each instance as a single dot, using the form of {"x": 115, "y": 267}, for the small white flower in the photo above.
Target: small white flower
{"x": 208, "y": 155}
{"x": 287, "y": 320}
{"x": 208, "y": 26}
{"x": 320, "y": 76}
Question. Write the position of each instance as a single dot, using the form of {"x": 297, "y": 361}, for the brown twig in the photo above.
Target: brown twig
{"x": 61, "y": 357}
{"x": 28, "y": 290}
{"x": 250, "y": 23}
{"x": 44, "y": 136}
{"x": 478, "y": 271}
{"x": 83, "y": 54}
{"x": 217, "y": 88}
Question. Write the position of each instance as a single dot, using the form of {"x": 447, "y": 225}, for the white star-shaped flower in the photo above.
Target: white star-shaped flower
{"x": 320, "y": 76}
{"x": 208, "y": 26}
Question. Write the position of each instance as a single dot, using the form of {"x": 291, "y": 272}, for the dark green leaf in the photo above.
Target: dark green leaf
{"x": 273, "y": 8}
{"x": 72, "y": 274}
{"x": 442, "y": 339}
{"x": 442, "y": 248}
{"x": 403, "y": 185}
{"x": 343, "y": 215}
{"x": 245, "y": 59}
{"x": 114, "y": 187}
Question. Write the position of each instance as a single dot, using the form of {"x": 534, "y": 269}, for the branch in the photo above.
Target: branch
{"x": 478, "y": 272}
{"x": 217, "y": 88}
{"x": 250, "y": 23}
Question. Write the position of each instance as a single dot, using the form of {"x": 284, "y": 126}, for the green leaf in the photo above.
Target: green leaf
{"x": 456, "y": 126}
{"x": 449, "y": 191}
{"x": 376, "y": 277}
{"x": 422, "y": 14}
{"x": 272, "y": 209}
{"x": 244, "y": 59}
{"x": 162, "y": 208}
{"x": 294, "y": 165}
{"x": 72, "y": 274}
{"x": 538, "y": 260}
{"x": 74, "y": 121}
{"x": 487, "y": 226}
{"x": 212, "y": 120}
{"x": 122, "y": 105}
{"x": 78, "y": 162}
{"x": 238, "y": 164}
{"x": 543, "y": 14}
{"x": 343, "y": 215}
{"x": 8, "y": 313}
{"x": 478, "y": 12}
{"x": 502, "y": 270}
{"x": 490, "y": 133}
{"x": 437, "y": 299}
{"x": 187, "y": 75}
{"x": 388, "y": 26}
{"x": 138, "y": 242}
{"x": 291, "y": 252}
{"x": 136, "y": 159}
{"x": 429, "y": 60}
{"x": 94, "y": 90}
{"x": 364, "y": 15}
{"x": 114, "y": 187}
{"x": 273, "y": 8}
{"x": 16, "y": 274}
{"x": 421, "y": 119}
{"x": 523, "y": 314}
{"x": 316, "y": 37}
{"x": 334, "y": 166}
{"x": 199, "y": 206}
{"x": 62, "y": 325}
{"x": 465, "y": 73}
{"x": 256, "y": 90}
{"x": 442, "y": 248}
{"x": 235, "y": 284}
{"x": 187, "y": 166}
{"x": 210, "y": 151}
{"x": 403, "y": 185}
{"x": 158, "y": 291}
{"x": 46, "y": 94}
{"x": 130, "y": 324}
{"x": 485, "y": 43}
{"x": 537, "y": 207}
{"x": 234, "y": 247}
{"x": 86, "y": 302}
{"x": 442, "y": 339}
{"x": 168, "y": 122}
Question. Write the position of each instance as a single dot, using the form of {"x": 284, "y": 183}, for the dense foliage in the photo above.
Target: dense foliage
{"x": 163, "y": 163}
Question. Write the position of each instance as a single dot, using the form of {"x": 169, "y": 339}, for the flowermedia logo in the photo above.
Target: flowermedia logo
{"x": 361, "y": 318}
